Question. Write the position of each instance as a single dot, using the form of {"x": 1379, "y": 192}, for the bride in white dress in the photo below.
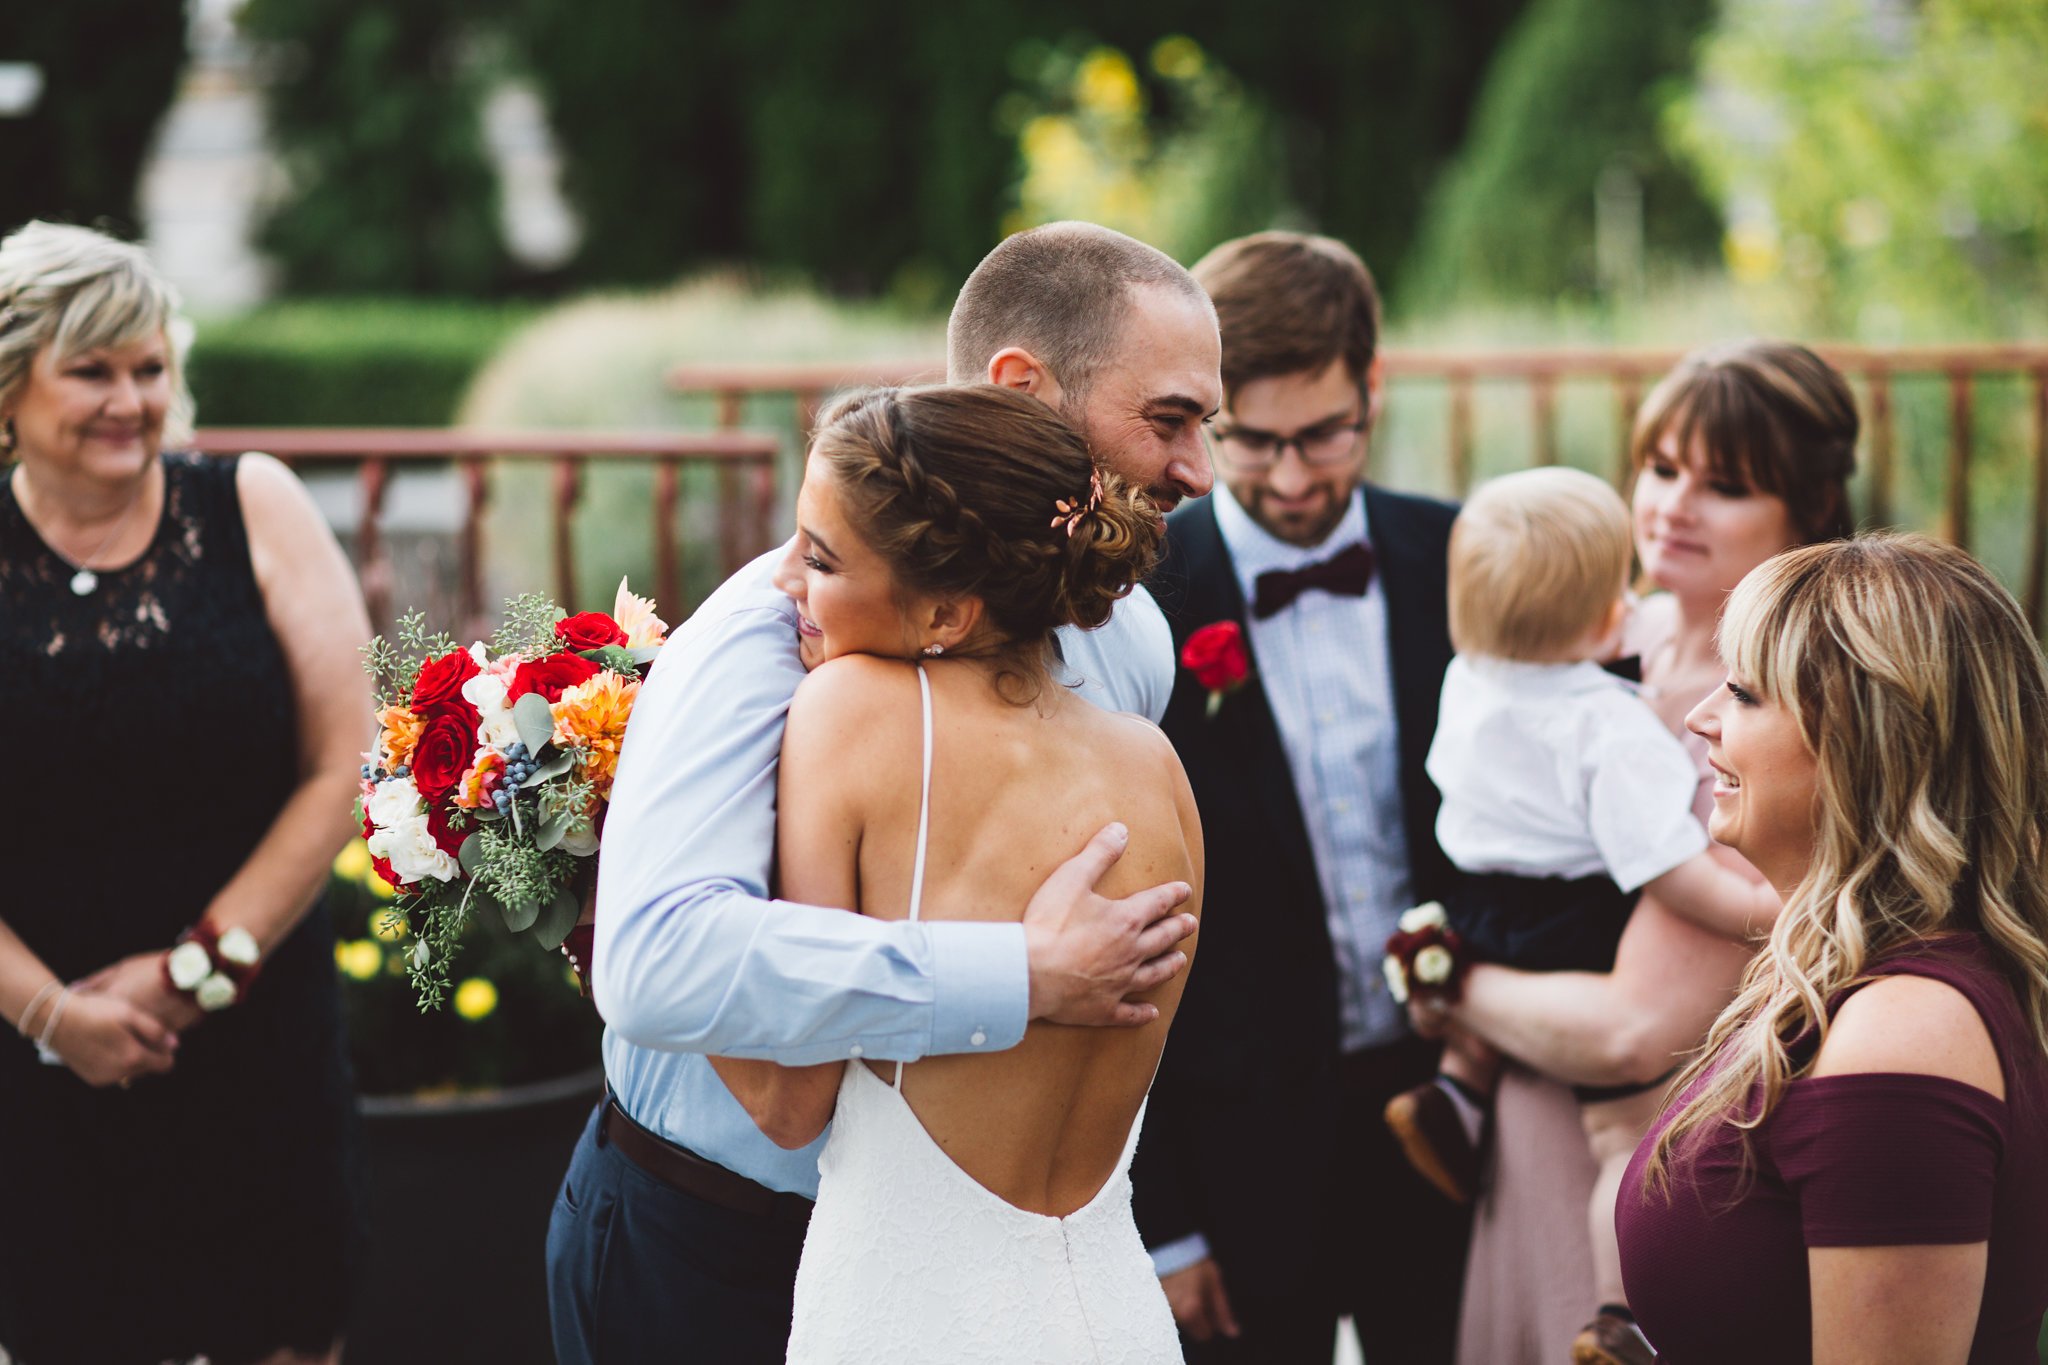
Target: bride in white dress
{"x": 974, "y": 1207}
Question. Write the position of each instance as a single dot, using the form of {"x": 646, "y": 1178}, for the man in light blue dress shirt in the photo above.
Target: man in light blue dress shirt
{"x": 677, "y": 1229}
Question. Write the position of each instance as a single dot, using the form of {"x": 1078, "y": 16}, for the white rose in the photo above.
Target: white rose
{"x": 486, "y": 692}
{"x": 395, "y": 802}
{"x": 496, "y": 729}
{"x": 1433, "y": 965}
{"x": 189, "y": 965}
{"x": 238, "y": 946}
{"x": 1428, "y": 915}
{"x": 217, "y": 992}
{"x": 410, "y": 849}
{"x": 581, "y": 840}
{"x": 1397, "y": 980}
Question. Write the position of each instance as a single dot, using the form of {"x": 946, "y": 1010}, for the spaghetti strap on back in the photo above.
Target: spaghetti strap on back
{"x": 924, "y": 813}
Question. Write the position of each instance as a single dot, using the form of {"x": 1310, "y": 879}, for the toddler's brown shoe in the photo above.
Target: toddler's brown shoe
{"x": 1425, "y": 1122}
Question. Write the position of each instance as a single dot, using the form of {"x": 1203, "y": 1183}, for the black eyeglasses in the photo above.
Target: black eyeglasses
{"x": 1245, "y": 449}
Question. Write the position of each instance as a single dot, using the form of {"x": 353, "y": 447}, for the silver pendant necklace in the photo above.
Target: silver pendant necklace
{"x": 83, "y": 579}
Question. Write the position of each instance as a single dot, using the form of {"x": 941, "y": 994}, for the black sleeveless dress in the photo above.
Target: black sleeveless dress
{"x": 150, "y": 740}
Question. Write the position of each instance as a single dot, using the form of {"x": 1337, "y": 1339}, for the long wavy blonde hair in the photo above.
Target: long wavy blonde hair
{"x": 1919, "y": 687}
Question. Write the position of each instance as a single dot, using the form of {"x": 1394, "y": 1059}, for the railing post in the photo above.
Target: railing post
{"x": 763, "y": 470}
{"x": 2037, "y": 534}
{"x": 1461, "y": 432}
{"x": 376, "y": 572}
{"x": 731, "y": 403}
{"x": 1628, "y": 395}
{"x": 668, "y": 564}
{"x": 1958, "y": 527}
{"x": 470, "y": 544}
{"x": 1881, "y": 459}
{"x": 568, "y": 488}
{"x": 1543, "y": 411}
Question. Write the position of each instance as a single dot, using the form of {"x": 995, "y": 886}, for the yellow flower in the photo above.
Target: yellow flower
{"x": 1106, "y": 85}
{"x": 475, "y": 998}
{"x": 1178, "y": 57}
{"x": 635, "y": 615}
{"x": 591, "y": 719}
{"x": 360, "y": 958}
{"x": 353, "y": 861}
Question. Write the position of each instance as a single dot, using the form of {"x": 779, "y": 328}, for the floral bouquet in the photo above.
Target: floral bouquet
{"x": 486, "y": 792}
{"x": 1425, "y": 957}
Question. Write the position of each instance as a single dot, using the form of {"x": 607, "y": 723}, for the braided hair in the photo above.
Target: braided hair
{"x": 981, "y": 491}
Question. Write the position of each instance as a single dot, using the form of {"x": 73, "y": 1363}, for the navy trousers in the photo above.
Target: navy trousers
{"x": 640, "y": 1271}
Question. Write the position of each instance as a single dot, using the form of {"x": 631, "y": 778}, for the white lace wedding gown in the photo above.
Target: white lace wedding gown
{"x": 908, "y": 1259}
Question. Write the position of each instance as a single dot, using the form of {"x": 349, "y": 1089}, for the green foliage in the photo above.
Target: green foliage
{"x": 1572, "y": 95}
{"x": 392, "y": 668}
{"x": 110, "y": 68}
{"x": 375, "y": 110}
{"x": 1881, "y": 167}
{"x": 528, "y": 629}
{"x": 1183, "y": 161}
{"x": 862, "y": 145}
{"x": 345, "y": 362}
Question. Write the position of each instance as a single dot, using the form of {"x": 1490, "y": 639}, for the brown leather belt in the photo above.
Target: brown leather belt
{"x": 682, "y": 1169}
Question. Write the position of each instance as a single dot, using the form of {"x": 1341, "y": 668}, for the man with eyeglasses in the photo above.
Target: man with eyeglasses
{"x": 1271, "y": 1194}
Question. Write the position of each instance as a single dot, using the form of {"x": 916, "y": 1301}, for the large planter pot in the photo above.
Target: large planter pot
{"x": 460, "y": 1188}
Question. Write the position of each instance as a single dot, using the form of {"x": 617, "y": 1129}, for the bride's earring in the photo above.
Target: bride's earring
{"x": 934, "y": 651}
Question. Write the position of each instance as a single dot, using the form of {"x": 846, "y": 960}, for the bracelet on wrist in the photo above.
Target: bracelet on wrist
{"x": 50, "y": 988}
{"x": 215, "y": 967}
{"x": 44, "y": 1050}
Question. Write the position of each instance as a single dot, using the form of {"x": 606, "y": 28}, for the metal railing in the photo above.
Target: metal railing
{"x": 1628, "y": 373}
{"x": 745, "y": 465}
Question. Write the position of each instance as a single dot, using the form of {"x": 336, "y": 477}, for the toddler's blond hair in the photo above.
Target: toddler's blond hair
{"x": 1537, "y": 560}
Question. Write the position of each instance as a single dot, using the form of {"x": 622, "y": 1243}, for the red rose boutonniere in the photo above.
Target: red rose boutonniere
{"x": 1216, "y": 655}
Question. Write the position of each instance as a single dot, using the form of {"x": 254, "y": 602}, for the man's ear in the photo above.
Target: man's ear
{"x": 950, "y": 623}
{"x": 1375, "y": 392}
{"x": 1013, "y": 367}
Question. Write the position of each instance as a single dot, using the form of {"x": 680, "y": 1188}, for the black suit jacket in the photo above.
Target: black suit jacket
{"x": 1240, "y": 1129}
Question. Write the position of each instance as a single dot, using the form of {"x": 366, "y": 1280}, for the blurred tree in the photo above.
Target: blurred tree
{"x": 862, "y": 146}
{"x": 374, "y": 107}
{"x": 1569, "y": 116}
{"x": 1883, "y": 166}
{"x": 109, "y": 69}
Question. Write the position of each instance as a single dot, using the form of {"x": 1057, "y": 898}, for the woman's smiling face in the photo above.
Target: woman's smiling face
{"x": 847, "y": 599}
{"x": 1699, "y": 533}
{"x": 1765, "y": 780}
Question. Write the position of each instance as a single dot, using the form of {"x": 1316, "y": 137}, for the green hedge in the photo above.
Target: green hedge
{"x": 350, "y": 362}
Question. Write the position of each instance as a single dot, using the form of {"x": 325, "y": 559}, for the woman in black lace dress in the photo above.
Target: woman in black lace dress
{"x": 183, "y": 713}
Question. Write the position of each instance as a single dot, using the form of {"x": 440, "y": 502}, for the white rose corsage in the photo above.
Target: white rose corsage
{"x": 1425, "y": 957}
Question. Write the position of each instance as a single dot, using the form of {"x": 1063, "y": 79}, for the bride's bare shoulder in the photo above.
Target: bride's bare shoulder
{"x": 850, "y": 704}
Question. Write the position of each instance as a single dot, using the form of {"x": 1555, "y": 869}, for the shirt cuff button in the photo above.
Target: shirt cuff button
{"x": 854, "y": 1051}
{"x": 977, "y": 1038}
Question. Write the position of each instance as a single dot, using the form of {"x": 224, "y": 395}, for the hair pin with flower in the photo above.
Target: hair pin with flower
{"x": 1068, "y": 512}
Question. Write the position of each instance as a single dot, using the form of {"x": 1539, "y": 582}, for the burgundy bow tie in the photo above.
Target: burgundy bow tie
{"x": 1348, "y": 571}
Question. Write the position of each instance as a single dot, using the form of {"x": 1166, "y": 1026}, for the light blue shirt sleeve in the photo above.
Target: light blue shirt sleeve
{"x": 1126, "y": 663}
{"x": 691, "y": 955}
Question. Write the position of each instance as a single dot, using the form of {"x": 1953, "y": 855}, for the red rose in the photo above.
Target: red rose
{"x": 382, "y": 867}
{"x": 550, "y": 676}
{"x": 446, "y": 839}
{"x": 589, "y": 630}
{"x": 444, "y": 750}
{"x": 1216, "y": 655}
{"x": 438, "y": 689}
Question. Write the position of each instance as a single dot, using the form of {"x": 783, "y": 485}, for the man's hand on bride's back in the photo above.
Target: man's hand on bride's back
{"x": 1089, "y": 955}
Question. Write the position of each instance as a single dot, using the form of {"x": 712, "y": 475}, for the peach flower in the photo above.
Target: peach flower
{"x": 591, "y": 719}
{"x": 479, "y": 783}
{"x": 636, "y": 617}
{"x": 399, "y": 731}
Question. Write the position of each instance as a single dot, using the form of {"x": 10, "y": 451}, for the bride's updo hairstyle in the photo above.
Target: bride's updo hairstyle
{"x": 976, "y": 490}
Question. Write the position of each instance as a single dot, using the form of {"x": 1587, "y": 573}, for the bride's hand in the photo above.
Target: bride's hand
{"x": 1088, "y": 954}
{"x": 1198, "y": 1302}
{"x": 105, "y": 1039}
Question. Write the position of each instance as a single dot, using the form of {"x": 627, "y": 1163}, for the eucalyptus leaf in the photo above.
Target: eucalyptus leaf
{"x": 535, "y": 721}
{"x": 558, "y": 918}
{"x": 471, "y": 855}
{"x": 617, "y": 658}
{"x": 552, "y": 830}
{"x": 520, "y": 918}
{"x": 554, "y": 767}
{"x": 644, "y": 654}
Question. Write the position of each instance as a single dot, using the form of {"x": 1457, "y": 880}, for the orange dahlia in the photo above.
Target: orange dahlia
{"x": 591, "y": 719}
{"x": 483, "y": 777}
{"x": 398, "y": 732}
